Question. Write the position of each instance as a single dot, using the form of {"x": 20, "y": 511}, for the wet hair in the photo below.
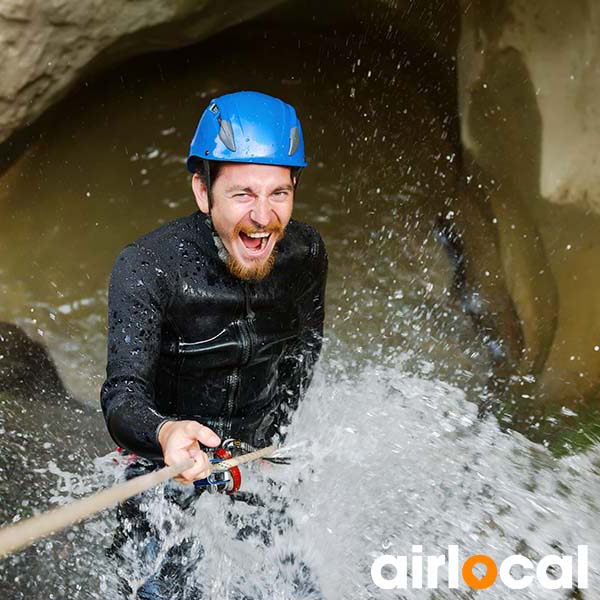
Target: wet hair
{"x": 214, "y": 167}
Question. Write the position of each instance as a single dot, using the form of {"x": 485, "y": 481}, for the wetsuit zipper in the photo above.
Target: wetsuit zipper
{"x": 249, "y": 322}
{"x": 246, "y": 337}
{"x": 234, "y": 380}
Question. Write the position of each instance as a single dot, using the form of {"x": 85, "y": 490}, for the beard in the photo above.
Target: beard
{"x": 258, "y": 269}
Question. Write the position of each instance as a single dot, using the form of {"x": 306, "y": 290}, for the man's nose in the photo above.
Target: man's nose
{"x": 261, "y": 213}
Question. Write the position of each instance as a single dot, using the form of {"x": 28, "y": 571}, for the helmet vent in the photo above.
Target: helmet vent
{"x": 226, "y": 134}
{"x": 294, "y": 140}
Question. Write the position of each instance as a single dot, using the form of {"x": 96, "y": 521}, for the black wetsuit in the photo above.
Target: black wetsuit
{"x": 188, "y": 340}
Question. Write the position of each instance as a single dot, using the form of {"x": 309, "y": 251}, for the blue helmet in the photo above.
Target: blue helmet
{"x": 248, "y": 127}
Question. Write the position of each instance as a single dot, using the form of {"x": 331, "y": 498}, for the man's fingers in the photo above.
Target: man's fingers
{"x": 179, "y": 441}
{"x": 199, "y": 471}
{"x": 205, "y": 435}
{"x": 185, "y": 434}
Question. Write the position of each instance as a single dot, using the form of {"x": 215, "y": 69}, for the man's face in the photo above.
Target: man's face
{"x": 251, "y": 206}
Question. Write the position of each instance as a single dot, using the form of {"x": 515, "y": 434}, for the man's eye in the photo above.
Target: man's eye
{"x": 281, "y": 194}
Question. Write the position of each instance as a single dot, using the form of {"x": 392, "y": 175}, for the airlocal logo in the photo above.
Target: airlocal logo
{"x": 528, "y": 570}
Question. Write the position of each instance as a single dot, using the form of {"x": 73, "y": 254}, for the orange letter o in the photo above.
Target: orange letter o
{"x": 488, "y": 579}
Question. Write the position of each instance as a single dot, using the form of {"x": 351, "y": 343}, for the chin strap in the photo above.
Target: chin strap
{"x": 206, "y": 165}
{"x": 296, "y": 176}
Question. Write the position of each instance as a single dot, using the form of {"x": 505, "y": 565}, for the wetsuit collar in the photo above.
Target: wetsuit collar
{"x": 221, "y": 250}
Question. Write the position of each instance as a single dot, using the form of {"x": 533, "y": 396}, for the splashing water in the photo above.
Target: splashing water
{"x": 381, "y": 459}
{"x": 409, "y": 463}
{"x": 387, "y": 450}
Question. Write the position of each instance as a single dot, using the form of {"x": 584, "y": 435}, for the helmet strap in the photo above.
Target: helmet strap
{"x": 296, "y": 176}
{"x": 206, "y": 165}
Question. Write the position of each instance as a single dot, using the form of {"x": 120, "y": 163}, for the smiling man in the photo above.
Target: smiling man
{"x": 216, "y": 319}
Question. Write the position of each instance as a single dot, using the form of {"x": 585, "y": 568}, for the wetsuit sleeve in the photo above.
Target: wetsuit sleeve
{"x": 298, "y": 363}
{"x": 137, "y": 299}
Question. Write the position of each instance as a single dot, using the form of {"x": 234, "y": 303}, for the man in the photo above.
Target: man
{"x": 216, "y": 319}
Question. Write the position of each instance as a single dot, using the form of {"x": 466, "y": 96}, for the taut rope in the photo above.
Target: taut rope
{"x": 18, "y": 536}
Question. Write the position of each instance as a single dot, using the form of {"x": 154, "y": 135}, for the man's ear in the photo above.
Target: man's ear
{"x": 200, "y": 193}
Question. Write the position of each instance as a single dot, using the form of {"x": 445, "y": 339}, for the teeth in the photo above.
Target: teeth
{"x": 258, "y": 235}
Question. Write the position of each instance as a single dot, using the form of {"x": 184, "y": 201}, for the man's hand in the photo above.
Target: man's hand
{"x": 179, "y": 441}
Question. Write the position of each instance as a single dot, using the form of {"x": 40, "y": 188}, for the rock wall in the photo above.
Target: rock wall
{"x": 49, "y": 45}
{"x": 529, "y": 78}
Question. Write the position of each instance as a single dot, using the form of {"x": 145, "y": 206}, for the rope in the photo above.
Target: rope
{"x": 20, "y": 535}
{"x": 225, "y": 465}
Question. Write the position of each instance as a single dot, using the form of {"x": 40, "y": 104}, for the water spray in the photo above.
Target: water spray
{"x": 20, "y": 535}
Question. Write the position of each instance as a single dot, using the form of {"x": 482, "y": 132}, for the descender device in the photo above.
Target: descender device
{"x": 227, "y": 481}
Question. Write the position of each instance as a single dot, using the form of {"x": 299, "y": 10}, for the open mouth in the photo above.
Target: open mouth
{"x": 255, "y": 243}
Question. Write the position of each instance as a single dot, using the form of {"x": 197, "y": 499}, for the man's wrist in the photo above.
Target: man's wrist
{"x": 161, "y": 431}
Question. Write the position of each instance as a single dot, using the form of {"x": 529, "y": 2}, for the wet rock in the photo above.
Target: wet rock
{"x": 35, "y": 403}
{"x": 527, "y": 98}
{"x": 26, "y": 369}
{"x": 45, "y": 434}
{"x": 49, "y": 46}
